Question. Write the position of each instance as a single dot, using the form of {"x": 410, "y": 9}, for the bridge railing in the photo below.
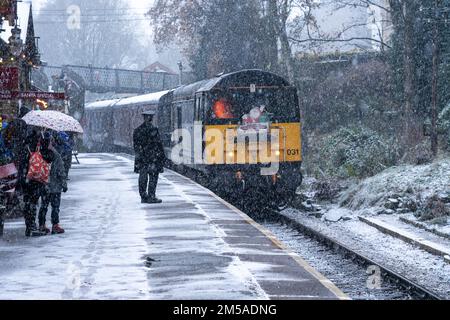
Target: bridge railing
{"x": 103, "y": 80}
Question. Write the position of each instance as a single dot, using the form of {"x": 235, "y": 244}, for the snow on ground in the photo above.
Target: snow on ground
{"x": 425, "y": 181}
{"x": 109, "y": 237}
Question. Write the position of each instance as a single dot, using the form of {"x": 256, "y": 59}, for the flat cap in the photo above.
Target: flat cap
{"x": 149, "y": 113}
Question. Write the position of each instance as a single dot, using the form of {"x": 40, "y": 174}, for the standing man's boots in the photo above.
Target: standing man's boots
{"x": 144, "y": 199}
{"x": 154, "y": 200}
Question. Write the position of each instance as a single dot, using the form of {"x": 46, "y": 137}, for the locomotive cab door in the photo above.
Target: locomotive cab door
{"x": 198, "y": 132}
{"x": 165, "y": 124}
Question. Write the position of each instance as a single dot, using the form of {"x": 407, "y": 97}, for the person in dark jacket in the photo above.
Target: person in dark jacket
{"x": 64, "y": 145}
{"x": 33, "y": 190}
{"x": 52, "y": 194}
{"x": 150, "y": 158}
{"x": 15, "y": 135}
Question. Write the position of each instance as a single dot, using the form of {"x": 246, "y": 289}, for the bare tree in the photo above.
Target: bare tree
{"x": 308, "y": 31}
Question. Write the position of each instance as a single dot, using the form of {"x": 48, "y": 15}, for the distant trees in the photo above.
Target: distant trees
{"x": 105, "y": 36}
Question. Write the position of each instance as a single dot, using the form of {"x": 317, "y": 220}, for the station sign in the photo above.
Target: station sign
{"x": 9, "y": 78}
{"x": 32, "y": 95}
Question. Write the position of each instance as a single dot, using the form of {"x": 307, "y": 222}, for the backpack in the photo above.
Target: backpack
{"x": 39, "y": 169}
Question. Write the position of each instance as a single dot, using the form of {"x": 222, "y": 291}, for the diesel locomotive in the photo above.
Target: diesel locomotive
{"x": 239, "y": 132}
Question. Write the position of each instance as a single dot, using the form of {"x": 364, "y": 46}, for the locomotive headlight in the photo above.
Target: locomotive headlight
{"x": 231, "y": 154}
{"x": 278, "y": 153}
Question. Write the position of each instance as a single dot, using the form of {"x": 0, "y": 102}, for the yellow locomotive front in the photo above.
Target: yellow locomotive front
{"x": 253, "y": 140}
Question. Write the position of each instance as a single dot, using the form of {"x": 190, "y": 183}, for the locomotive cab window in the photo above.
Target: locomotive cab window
{"x": 223, "y": 109}
{"x": 264, "y": 105}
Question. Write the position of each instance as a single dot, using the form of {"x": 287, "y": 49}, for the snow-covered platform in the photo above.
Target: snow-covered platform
{"x": 193, "y": 246}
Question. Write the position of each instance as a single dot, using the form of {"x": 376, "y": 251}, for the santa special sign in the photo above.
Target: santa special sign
{"x": 29, "y": 95}
{"x": 9, "y": 78}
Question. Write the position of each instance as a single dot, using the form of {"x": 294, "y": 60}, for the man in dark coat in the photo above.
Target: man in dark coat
{"x": 150, "y": 158}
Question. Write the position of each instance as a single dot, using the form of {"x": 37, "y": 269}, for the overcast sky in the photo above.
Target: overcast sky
{"x": 37, "y": 4}
{"x": 133, "y": 3}
{"x": 170, "y": 56}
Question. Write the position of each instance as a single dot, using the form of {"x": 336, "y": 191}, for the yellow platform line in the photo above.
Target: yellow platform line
{"x": 321, "y": 278}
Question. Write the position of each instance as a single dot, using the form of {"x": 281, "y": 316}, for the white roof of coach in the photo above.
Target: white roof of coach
{"x": 152, "y": 98}
{"x": 102, "y": 104}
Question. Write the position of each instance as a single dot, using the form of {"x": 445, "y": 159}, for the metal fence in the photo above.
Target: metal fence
{"x": 101, "y": 80}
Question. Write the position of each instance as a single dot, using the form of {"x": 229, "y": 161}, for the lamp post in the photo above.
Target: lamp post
{"x": 180, "y": 67}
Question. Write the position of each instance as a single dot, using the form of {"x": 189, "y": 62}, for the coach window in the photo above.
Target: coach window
{"x": 198, "y": 108}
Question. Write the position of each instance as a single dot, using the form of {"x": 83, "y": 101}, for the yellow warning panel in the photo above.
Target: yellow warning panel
{"x": 227, "y": 144}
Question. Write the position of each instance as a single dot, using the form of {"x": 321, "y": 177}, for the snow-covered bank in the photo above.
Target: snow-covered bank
{"x": 398, "y": 197}
{"x": 419, "y": 182}
{"x": 415, "y": 264}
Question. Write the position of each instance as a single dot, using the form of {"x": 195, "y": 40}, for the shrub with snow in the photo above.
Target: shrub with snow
{"x": 435, "y": 211}
{"x": 418, "y": 183}
{"x": 356, "y": 152}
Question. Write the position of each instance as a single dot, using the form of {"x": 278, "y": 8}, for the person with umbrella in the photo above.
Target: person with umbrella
{"x": 150, "y": 158}
{"x": 38, "y": 142}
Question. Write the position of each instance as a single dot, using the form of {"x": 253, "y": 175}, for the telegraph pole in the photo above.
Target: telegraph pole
{"x": 180, "y": 67}
{"x": 435, "y": 82}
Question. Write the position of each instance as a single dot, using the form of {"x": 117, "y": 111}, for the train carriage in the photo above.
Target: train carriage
{"x": 97, "y": 126}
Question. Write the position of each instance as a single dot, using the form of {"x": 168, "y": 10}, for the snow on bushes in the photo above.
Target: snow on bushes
{"x": 355, "y": 152}
{"x": 419, "y": 182}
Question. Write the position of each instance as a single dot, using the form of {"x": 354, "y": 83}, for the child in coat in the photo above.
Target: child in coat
{"x": 52, "y": 195}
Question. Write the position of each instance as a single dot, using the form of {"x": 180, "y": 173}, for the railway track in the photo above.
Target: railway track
{"x": 324, "y": 250}
{"x": 395, "y": 285}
